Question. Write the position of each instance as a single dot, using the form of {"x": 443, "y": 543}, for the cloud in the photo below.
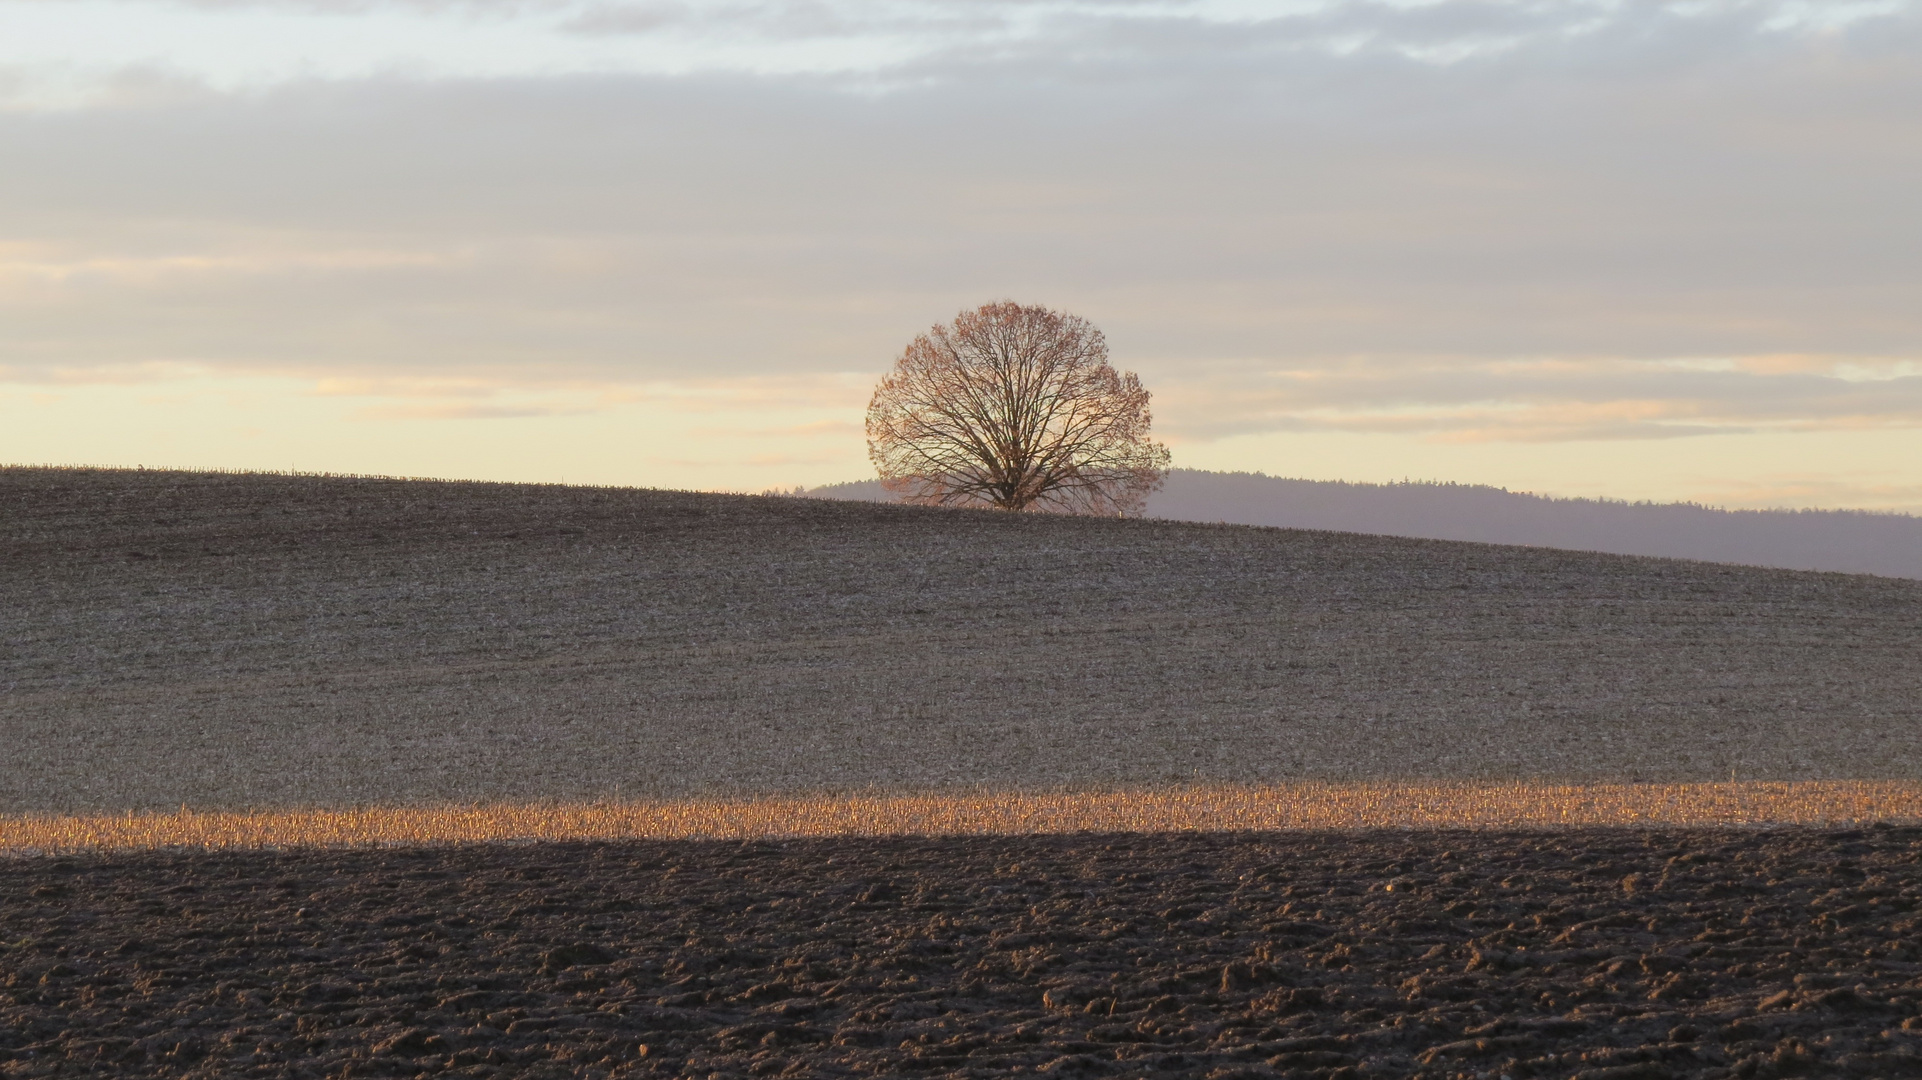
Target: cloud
{"x": 1448, "y": 191}
{"x": 404, "y": 388}
{"x": 97, "y": 374}
{"x": 759, "y": 397}
{"x": 1814, "y": 489}
{"x": 463, "y": 412}
{"x": 626, "y": 18}
{"x": 844, "y": 431}
{"x": 1549, "y": 401}
{"x": 871, "y": 44}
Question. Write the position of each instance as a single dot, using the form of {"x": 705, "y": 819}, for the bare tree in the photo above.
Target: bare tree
{"x": 1017, "y": 408}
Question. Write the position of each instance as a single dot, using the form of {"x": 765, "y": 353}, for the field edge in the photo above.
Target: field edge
{"x": 1221, "y": 808}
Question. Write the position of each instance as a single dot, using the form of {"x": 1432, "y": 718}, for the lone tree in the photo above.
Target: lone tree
{"x": 1017, "y": 408}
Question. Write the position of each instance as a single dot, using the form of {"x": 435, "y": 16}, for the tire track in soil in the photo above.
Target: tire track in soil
{"x": 1588, "y": 953}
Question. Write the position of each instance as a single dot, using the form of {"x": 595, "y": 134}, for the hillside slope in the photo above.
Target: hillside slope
{"x": 1846, "y": 541}
{"x": 233, "y": 640}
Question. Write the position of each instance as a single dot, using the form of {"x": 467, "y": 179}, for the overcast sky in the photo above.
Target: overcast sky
{"x": 1639, "y": 249}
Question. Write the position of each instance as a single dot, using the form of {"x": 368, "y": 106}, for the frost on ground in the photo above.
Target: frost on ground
{"x": 258, "y": 641}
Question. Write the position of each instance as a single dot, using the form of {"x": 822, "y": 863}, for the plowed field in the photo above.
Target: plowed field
{"x": 241, "y": 642}
{"x": 1595, "y": 953}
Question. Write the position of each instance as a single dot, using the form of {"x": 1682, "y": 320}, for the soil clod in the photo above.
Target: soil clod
{"x": 1191, "y": 955}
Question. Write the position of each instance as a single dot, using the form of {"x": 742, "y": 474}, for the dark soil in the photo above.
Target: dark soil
{"x": 1590, "y": 954}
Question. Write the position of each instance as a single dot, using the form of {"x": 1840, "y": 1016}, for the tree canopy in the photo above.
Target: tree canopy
{"x": 1014, "y": 407}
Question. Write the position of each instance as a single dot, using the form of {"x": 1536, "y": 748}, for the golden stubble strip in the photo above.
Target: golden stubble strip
{"x": 990, "y": 813}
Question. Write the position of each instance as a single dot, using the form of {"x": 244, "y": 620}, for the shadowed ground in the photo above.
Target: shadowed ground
{"x": 227, "y": 641}
{"x": 1595, "y": 954}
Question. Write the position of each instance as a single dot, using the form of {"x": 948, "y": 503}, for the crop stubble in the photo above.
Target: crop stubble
{"x": 246, "y": 641}
{"x": 991, "y": 813}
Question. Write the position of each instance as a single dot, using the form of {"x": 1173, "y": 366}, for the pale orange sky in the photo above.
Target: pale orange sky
{"x": 1647, "y": 251}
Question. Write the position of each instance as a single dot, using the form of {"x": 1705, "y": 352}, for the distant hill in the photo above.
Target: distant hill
{"x": 1848, "y": 541}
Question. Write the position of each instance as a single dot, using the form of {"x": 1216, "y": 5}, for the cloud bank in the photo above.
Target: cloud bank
{"x": 1463, "y": 221}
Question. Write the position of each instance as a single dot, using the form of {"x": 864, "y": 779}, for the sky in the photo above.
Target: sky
{"x": 1623, "y": 248}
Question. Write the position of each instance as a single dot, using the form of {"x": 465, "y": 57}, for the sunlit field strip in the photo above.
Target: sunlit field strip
{"x": 986, "y": 813}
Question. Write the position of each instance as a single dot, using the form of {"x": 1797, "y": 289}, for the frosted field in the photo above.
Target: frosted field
{"x": 228, "y": 641}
